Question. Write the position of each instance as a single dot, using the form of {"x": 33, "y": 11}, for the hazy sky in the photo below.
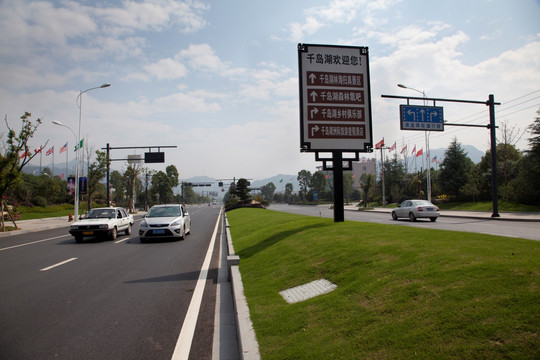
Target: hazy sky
{"x": 219, "y": 79}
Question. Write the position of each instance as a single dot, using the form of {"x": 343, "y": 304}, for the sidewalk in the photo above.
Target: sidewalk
{"x": 483, "y": 215}
{"x": 26, "y": 226}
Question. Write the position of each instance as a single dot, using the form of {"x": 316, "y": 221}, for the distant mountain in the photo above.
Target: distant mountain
{"x": 472, "y": 152}
{"x": 279, "y": 181}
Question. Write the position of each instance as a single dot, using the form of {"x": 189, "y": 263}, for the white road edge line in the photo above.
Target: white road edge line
{"x": 56, "y": 265}
{"x": 183, "y": 345}
{"x": 32, "y": 243}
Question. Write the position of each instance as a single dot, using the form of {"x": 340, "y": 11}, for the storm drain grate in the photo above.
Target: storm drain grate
{"x": 307, "y": 291}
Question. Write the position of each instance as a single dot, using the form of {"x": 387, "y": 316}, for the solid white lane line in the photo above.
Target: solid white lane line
{"x": 183, "y": 345}
{"x": 32, "y": 243}
{"x": 56, "y": 265}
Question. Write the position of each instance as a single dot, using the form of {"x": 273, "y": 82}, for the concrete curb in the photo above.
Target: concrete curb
{"x": 247, "y": 340}
{"x": 477, "y": 215}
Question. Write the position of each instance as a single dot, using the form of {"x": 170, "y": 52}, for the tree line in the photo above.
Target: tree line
{"x": 134, "y": 187}
{"x": 457, "y": 179}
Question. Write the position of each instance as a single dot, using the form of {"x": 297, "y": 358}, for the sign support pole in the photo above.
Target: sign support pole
{"x": 337, "y": 165}
{"x": 494, "y": 190}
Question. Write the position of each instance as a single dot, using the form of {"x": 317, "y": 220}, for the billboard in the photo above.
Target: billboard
{"x": 335, "y": 99}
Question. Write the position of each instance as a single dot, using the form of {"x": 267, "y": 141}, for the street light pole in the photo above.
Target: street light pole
{"x": 76, "y": 167}
{"x": 78, "y": 146}
{"x": 426, "y": 133}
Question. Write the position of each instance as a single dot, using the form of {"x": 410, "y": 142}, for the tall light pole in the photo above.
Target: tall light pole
{"x": 428, "y": 165}
{"x": 78, "y": 145}
{"x": 76, "y": 167}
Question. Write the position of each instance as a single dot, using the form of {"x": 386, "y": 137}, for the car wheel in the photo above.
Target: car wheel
{"x": 183, "y": 235}
{"x": 394, "y": 216}
{"x": 78, "y": 238}
{"x": 114, "y": 233}
{"x": 412, "y": 217}
{"x": 433, "y": 219}
{"x": 128, "y": 230}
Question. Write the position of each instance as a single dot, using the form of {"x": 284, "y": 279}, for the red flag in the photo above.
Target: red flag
{"x": 404, "y": 148}
{"x": 380, "y": 144}
{"x": 413, "y": 150}
{"x": 50, "y": 151}
{"x": 62, "y": 176}
{"x": 37, "y": 151}
{"x": 393, "y": 147}
{"x": 419, "y": 153}
{"x": 63, "y": 148}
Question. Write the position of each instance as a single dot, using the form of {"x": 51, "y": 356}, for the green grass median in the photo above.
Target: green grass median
{"x": 403, "y": 292}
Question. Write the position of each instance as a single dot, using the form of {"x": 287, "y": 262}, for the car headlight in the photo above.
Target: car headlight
{"x": 176, "y": 223}
{"x": 103, "y": 226}
{"x": 143, "y": 224}
{"x": 74, "y": 227}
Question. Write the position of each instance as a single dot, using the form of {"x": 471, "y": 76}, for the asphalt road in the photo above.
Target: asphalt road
{"x": 105, "y": 299}
{"x": 513, "y": 229}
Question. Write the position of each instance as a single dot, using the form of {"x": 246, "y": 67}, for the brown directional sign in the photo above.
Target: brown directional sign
{"x": 335, "y": 101}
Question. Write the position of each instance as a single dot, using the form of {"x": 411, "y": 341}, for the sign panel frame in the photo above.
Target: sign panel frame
{"x": 335, "y": 98}
{"x": 154, "y": 157}
{"x": 421, "y": 118}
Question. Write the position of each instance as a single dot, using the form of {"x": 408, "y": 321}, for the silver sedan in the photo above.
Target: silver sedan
{"x": 165, "y": 221}
{"x": 414, "y": 209}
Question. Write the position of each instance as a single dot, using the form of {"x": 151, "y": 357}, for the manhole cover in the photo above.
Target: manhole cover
{"x": 307, "y": 291}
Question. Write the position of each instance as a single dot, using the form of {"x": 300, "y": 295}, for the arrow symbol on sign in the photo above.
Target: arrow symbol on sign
{"x": 431, "y": 115}
{"x": 314, "y": 111}
{"x": 312, "y": 77}
{"x": 313, "y": 96}
{"x": 314, "y": 130}
{"x": 422, "y": 112}
{"x": 410, "y": 112}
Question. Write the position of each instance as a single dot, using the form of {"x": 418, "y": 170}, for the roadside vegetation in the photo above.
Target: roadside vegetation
{"x": 403, "y": 293}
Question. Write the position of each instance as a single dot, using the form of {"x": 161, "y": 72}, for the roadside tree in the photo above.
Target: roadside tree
{"x": 96, "y": 172}
{"x": 318, "y": 183}
{"x": 16, "y": 152}
{"x": 161, "y": 188}
{"x": 304, "y": 179}
{"x": 288, "y": 192}
{"x": 455, "y": 169}
{"x": 527, "y": 183}
{"x": 268, "y": 190}
{"x": 367, "y": 183}
{"x": 242, "y": 190}
{"x": 348, "y": 188}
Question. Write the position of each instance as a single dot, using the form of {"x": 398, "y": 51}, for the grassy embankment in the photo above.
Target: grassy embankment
{"x": 403, "y": 292}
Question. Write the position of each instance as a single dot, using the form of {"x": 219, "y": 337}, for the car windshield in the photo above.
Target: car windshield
{"x": 100, "y": 214}
{"x": 164, "y": 211}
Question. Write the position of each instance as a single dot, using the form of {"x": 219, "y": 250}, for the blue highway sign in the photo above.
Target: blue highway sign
{"x": 423, "y": 118}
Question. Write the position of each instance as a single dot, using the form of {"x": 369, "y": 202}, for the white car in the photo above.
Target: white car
{"x": 102, "y": 222}
{"x": 414, "y": 209}
{"x": 165, "y": 221}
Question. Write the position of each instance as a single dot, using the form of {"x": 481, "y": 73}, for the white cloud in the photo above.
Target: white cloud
{"x": 338, "y": 12}
{"x": 309, "y": 27}
{"x": 202, "y": 57}
{"x": 166, "y": 69}
{"x": 156, "y": 15}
